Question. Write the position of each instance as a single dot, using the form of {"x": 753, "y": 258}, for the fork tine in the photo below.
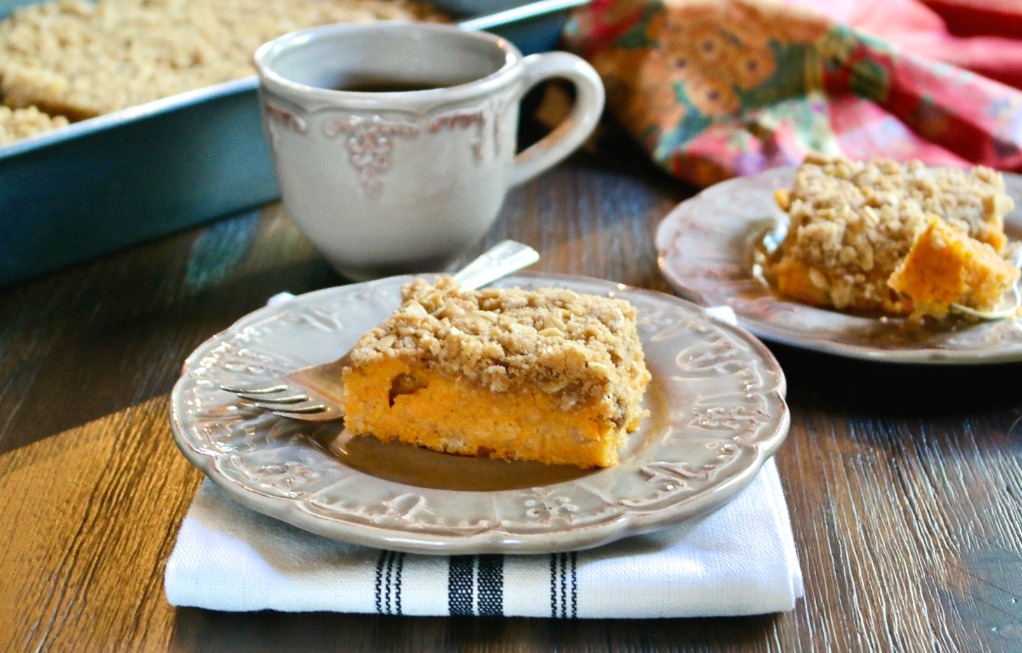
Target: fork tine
{"x": 290, "y": 408}
{"x": 329, "y": 415}
{"x": 286, "y": 399}
{"x": 296, "y": 405}
{"x": 254, "y": 389}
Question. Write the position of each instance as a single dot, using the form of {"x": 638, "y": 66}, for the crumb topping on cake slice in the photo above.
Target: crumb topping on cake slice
{"x": 502, "y": 339}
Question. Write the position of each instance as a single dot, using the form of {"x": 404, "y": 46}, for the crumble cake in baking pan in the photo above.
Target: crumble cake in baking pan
{"x": 853, "y": 223}
{"x": 16, "y": 124}
{"x": 548, "y": 375}
{"x": 84, "y": 58}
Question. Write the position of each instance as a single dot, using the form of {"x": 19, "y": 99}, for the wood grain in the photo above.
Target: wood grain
{"x": 904, "y": 484}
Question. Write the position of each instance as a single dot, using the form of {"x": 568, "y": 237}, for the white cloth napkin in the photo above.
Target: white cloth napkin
{"x": 737, "y": 560}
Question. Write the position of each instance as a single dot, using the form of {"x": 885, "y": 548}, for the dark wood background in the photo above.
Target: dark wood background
{"x": 904, "y": 483}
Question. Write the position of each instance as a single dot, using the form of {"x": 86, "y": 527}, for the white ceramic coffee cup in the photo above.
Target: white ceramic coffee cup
{"x": 391, "y": 181}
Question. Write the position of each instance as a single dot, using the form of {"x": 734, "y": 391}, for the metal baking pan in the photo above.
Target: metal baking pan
{"x": 108, "y": 182}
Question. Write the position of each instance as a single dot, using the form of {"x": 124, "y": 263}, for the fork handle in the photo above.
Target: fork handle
{"x": 499, "y": 261}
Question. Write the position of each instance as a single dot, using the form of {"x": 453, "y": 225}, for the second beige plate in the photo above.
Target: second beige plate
{"x": 706, "y": 247}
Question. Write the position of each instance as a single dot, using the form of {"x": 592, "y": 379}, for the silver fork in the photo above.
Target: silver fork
{"x": 315, "y": 394}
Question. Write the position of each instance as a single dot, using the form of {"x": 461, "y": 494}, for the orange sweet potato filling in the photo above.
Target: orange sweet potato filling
{"x": 947, "y": 267}
{"x": 417, "y": 406}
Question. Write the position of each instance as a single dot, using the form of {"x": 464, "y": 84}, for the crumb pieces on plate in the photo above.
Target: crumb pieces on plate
{"x": 549, "y": 375}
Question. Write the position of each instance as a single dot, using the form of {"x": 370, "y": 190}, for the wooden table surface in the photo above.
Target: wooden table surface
{"x": 904, "y": 483}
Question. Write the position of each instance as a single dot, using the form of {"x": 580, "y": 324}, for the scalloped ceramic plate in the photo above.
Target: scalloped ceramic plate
{"x": 706, "y": 247}
{"x": 717, "y": 413}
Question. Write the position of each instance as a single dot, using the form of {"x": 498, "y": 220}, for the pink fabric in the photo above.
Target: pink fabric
{"x": 984, "y": 36}
{"x": 718, "y": 88}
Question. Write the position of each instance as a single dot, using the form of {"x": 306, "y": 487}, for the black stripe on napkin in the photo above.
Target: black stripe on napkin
{"x": 491, "y": 585}
{"x": 475, "y": 585}
{"x": 459, "y": 585}
{"x": 389, "y": 568}
{"x": 564, "y": 585}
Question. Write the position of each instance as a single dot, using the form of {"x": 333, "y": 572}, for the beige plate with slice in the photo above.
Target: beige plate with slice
{"x": 706, "y": 250}
{"x": 717, "y": 413}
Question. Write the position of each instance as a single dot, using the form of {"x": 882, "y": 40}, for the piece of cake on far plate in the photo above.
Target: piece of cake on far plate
{"x": 547, "y": 375}
{"x": 945, "y": 267}
{"x": 853, "y": 223}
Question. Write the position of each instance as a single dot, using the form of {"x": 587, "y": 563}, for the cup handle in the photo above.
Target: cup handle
{"x": 576, "y": 127}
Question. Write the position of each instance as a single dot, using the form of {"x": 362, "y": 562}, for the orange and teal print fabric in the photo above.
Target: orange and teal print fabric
{"x": 714, "y": 89}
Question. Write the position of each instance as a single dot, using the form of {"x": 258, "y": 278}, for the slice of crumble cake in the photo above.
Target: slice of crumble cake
{"x": 852, "y": 224}
{"x": 548, "y": 375}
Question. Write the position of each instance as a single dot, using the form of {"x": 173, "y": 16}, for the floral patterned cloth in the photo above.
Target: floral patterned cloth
{"x": 720, "y": 88}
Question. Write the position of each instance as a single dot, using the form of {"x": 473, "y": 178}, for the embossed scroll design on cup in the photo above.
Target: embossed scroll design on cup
{"x": 491, "y": 113}
{"x": 370, "y": 144}
{"x": 371, "y": 141}
{"x": 717, "y": 412}
{"x": 287, "y": 118}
